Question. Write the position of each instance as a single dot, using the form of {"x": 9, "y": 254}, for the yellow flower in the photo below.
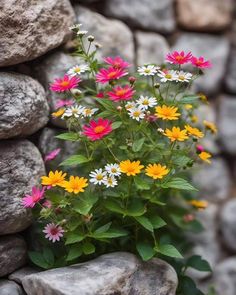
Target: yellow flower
{"x": 211, "y": 126}
{"x": 194, "y": 131}
{"x": 176, "y": 134}
{"x": 156, "y": 171}
{"x": 194, "y": 118}
{"x": 203, "y": 97}
{"x": 130, "y": 168}
{"x": 75, "y": 184}
{"x": 58, "y": 113}
{"x": 188, "y": 106}
{"x": 205, "y": 157}
{"x": 167, "y": 113}
{"x": 200, "y": 204}
{"x": 54, "y": 178}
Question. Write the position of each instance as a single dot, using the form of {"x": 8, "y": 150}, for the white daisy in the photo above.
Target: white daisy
{"x": 82, "y": 33}
{"x": 136, "y": 113}
{"x": 77, "y": 70}
{"x": 183, "y": 76}
{"x": 75, "y": 27}
{"x": 149, "y": 70}
{"x": 113, "y": 169}
{"x": 98, "y": 176}
{"x": 145, "y": 102}
{"x": 87, "y": 112}
{"x": 167, "y": 75}
{"x": 110, "y": 181}
{"x": 130, "y": 105}
{"x": 75, "y": 111}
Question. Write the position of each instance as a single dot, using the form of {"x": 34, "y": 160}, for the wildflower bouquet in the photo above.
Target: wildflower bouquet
{"x": 127, "y": 188}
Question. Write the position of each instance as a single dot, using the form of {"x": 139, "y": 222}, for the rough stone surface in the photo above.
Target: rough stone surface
{"x": 216, "y": 15}
{"x": 31, "y": 28}
{"x": 13, "y": 254}
{"x": 214, "y": 48}
{"x": 230, "y": 79}
{"x": 213, "y": 180}
{"x": 146, "y": 14}
{"x": 227, "y": 224}
{"x": 151, "y": 48}
{"x": 227, "y": 122}
{"x": 10, "y": 288}
{"x": 116, "y": 273}
{"x": 114, "y": 36}
{"x": 21, "y": 166}
{"x": 18, "y": 275}
{"x": 23, "y": 105}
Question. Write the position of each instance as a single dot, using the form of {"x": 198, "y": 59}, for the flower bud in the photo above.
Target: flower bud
{"x": 157, "y": 85}
{"x": 90, "y": 38}
{"x": 76, "y": 92}
{"x": 132, "y": 80}
{"x": 119, "y": 108}
{"x": 97, "y": 45}
{"x": 199, "y": 149}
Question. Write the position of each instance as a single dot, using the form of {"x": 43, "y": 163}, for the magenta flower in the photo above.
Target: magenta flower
{"x": 179, "y": 58}
{"x": 52, "y": 155}
{"x": 47, "y": 204}
{"x": 97, "y": 129}
{"x": 200, "y": 63}
{"x": 64, "y": 103}
{"x": 200, "y": 148}
{"x": 64, "y": 84}
{"x": 29, "y": 201}
{"x": 117, "y": 62}
{"x": 106, "y": 75}
{"x": 119, "y": 93}
{"x": 53, "y": 232}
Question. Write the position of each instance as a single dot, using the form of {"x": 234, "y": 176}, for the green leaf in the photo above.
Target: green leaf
{"x": 145, "y": 250}
{"x": 103, "y": 228}
{"x": 141, "y": 184}
{"x": 187, "y": 286}
{"x": 189, "y": 99}
{"x": 180, "y": 160}
{"x": 75, "y": 160}
{"x": 88, "y": 248}
{"x": 71, "y": 136}
{"x": 137, "y": 145}
{"x": 178, "y": 183}
{"x": 157, "y": 222}
{"x": 74, "y": 252}
{"x": 38, "y": 259}
{"x": 136, "y": 208}
{"x": 111, "y": 233}
{"x": 107, "y": 104}
{"x": 144, "y": 221}
{"x": 48, "y": 256}
{"x": 74, "y": 237}
{"x": 116, "y": 125}
{"x": 168, "y": 250}
{"x": 114, "y": 206}
{"x": 198, "y": 263}
{"x": 53, "y": 196}
{"x": 85, "y": 203}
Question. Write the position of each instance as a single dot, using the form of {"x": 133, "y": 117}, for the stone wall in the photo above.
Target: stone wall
{"x": 34, "y": 50}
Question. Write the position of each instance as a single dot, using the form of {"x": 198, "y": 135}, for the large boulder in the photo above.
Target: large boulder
{"x": 230, "y": 79}
{"x": 21, "y": 166}
{"x": 30, "y": 28}
{"x": 10, "y": 288}
{"x": 13, "y": 254}
{"x": 147, "y": 14}
{"x": 116, "y": 273}
{"x": 23, "y": 105}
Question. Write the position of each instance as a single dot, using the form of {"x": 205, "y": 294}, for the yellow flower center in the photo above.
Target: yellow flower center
{"x": 181, "y": 77}
{"x": 99, "y": 177}
{"x": 88, "y": 111}
{"x": 147, "y": 71}
{"x": 113, "y": 170}
{"x": 120, "y": 92}
{"x": 77, "y": 70}
{"x": 136, "y": 113}
{"x": 74, "y": 111}
{"x": 99, "y": 129}
{"x": 179, "y": 57}
{"x": 145, "y": 102}
{"x": 168, "y": 76}
{"x": 111, "y": 75}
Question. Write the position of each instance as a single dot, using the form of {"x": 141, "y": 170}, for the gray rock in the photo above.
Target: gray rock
{"x": 227, "y": 224}
{"x": 21, "y": 166}
{"x": 213, "y": 181}
{"x": 226, "y": 122}
{"x": 10, "y": 288}
{"x": 13, "y": 254}
{"x": 216, "y": 15}
{"x": 23, "y": 105}
{"x": 230, "y": 79}
{"x": 214, "y": 48}
{"x": 35, "y": 26}
{"x": 151, "y": 48}
{"x": 114, "y": 36}
{"x": 18, "y": 275}
{"x": 116, "y": 273}
{"x": 147, "y": 14}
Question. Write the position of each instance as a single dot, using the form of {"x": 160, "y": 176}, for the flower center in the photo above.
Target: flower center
{"x": 120, "y": 92}
{"x": 77, "y": 70}
{"x": 99, "y": 177}
{"x": 136, "y": 113}
{"x": 65, "y": 83}
{"x": 181, "y": 77}
{"x": 168, "y": 76}
{"x": 147, "y": 71}
{"x": 111, "y": 75}
{"x": 179, "y": 57}
{"x": 54, "y": 231}
{"x": 113, "y": 170}
{"x": 74, "y": 111}
{"x": 87, "y": 111}
{"x": 146, "y": 102}
{"x": 99, "y": 129}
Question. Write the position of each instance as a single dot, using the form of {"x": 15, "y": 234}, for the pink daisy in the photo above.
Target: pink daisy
{"x": 179, "y": 57}
{"x": 199, "y": 62}
{"x": 106, "y": 75}
{"x": 53, "y": 232}
{"x": 117, "y": 62}
{"x": 119, "y": 93}
{"x": 29, "y": 201}
{"x": 64, "y": 84}
{"x": 52, "y": 155}
{"x": 97, "y": 129}
{"x": 64, "y": 103}
{"x": 100, "y": 94}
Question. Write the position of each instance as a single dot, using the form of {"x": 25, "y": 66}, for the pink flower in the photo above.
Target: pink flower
{"x": 64, "y": 103}
{"x": 119, "y": 93}
{"x": 29, "y": 201}
{"x": 97, "y": 129}
{"x": 64, "y": 84}
{"x": 200, "y": 63}
{"x": 179, "y": 57}
{"x": 53, "y": 232}
{"x": 52, "y": 155}
{"x": 106, "y": 75}
{"x": 200, "y": 148}
{"x": 117, "y": 62}
{"x": 100, "y": 94}
{"x": 47, "y": 204}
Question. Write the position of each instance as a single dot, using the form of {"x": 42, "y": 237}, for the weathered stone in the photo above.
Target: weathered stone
{"x": 213, "y": 180}
{"x": 151, "y": 48}
{"x": 147, "y": 14}
{"x": 10, "y": 288}
{"x": 21, "y": 166}
{"x": 31, "y": 28}
{"x": 13, "y": 254}
{"x": 214, "y": 48}
{"x": 204, "y": 15}
{"x": 116, "y": 273}
{"x": 227, "y": 122}
{"x": 23, "y": 105}
{"x": 114, "y": 36}
{"x": 18, "y": 275}
{"x": 230, "y": 79}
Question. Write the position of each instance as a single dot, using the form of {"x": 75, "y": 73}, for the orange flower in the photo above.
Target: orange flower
{"x": 167, "y": 112}
{"x": 176, "y": 134}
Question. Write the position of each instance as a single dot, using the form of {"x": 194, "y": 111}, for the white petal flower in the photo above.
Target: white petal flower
{"x": 75, "y": 27}
{"x": 130, "y": 105}
{"x": 183, "y": 76}
{"x": 167, "y": 75}
{"x": 145, "y": 102}
{"x": 113, "y": 169}
{"x": 75, "y": 111}
{"x": 149, "y": 70}
{"x": 136, "y": 113}
{"x": 82, "y": 33}
{"x": 110, "y": 181}
{"x": 87, "y": 112}
{"x": 77, "y": 70}
{"x": 97, "y": 176}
